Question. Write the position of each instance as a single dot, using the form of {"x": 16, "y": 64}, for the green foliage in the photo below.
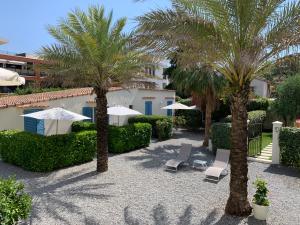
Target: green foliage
{"x": 179, "y": 121}
{"x": 121, "y": 138}
{"x": 258, "y": 104}
{"x": 260, "y": 196}
{"x": 128, "y": 138}
{"x": 164, "y": 129}
{"x": 15, "y": 204}
{"x": 150, "y": 119}
{"x": 38, "y": 153}
{"x": 289, "y": 142}
{"x": 193, "y": 118}
{"x": 33, "y": 90}
{"x": 287, "y": 104}
{"x": 186, "y": 101}
{"x": 222, "y": 111}
{"x": 221, "y": 136}
{"x": 257, "y": 116}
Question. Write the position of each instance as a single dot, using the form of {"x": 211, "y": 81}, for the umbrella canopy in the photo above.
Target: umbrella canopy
{"x": 176, "y": 106}
{"x": 121, "y": 111}
{"x": 10, "y": 78}
{"x": 194, "y": 107}
{"x": 56, "y": 114}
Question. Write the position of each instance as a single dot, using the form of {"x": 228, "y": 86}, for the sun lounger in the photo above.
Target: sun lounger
{"x": 183, "y": 157}
{"x": 219, "y": 166}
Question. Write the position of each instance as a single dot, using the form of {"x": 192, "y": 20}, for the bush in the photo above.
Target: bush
{"x": 38, "y": 153}
{"x": 128, "y": 138}
{"x": 151, "y": 120}
{"x": 193, "y": 118}
{"x": 221, "y": 136}
{"x": 260, "y": 196}
{"x": 122, "y": 139}
{"x": 257, "y": 116}
{"x": 222, "y": 110}
{"x": 258, "y": 104}
{"x": 15, "y": 204}
{"x": 164, "y": 129}
{"x": 289, "y": 142}
{"x": 179, "y": 121}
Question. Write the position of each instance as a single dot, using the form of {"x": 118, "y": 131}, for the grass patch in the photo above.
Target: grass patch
{"x": 254, "y": 145}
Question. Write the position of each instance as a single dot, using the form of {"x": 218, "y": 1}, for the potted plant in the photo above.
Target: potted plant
{"x": 260, "y": 201}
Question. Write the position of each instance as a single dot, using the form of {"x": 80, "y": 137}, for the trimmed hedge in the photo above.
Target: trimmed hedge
{"x": 151, "y": 120}
{"x": 289, "y": 142}
{"x": 258, "y": 104}
{"x": 38, "y": 153}
{"x": 220, "y": 136}
{"x": 15, "y": 204}
{"x": 122, "y": 139}
{"x": 257, "y": 116}
{"x": 193, "y": 118}
{"x": 164, "y": 129}
{"x": 128, "y": 138}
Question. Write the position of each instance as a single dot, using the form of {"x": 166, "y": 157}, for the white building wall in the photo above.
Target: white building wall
{"x": 260, "y": 87}
{"x": 10, "y": 117}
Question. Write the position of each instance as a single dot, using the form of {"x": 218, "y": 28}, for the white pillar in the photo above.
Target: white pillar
{"x": 275, "y": 142}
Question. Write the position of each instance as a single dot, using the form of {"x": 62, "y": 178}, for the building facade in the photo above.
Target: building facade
{"x": 80, "y": 101}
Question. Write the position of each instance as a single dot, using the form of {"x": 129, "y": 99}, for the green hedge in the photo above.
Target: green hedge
{"x": 220, "y": 136}
{"x": 193, "y": 118}
{"x": 258, "y": 116}
{"x": 164, "y": 129}
{"x": 289, "y": 142}
{"x": 124, "y": 138}
{"x": 151, "y": 120}
{"x": 128, "y": 138}
{"x": 15, "y": 204}
{"x": 38, "y": 153}
{"x": 258, "y": 104}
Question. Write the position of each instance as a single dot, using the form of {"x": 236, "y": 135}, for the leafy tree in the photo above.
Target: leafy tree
{"x": 287, "y": 103}
{"x": 239, "y": 39}
{"x": 205, "y": 86}
{"x": 90, "y": 45}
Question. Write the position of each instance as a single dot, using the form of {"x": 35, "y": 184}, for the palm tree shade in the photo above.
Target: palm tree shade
{"x": 89, "y": 45}
{"x": 239, "y": 39}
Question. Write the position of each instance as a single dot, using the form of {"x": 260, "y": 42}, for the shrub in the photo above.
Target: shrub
{"x": 164, "y": 129}
{"x": 187, "y": 101}
{"x": 122, "y": 139}
{"x": 222, "y": 110}
{"x": 15, "y": 204}
{"x": 130, "y": 137}
{"x": 257, "y": 116}
{"x": 258, "y": 104}
{"x": 46, "y": 153}
{"x": 221, "y": 136}
{"x": 193, "y": 118}
{"x": 260, "y": 196}
{"x": 179, "y": 121}
{"x": 289, "y": 142}
{"x": 151, "y": 120}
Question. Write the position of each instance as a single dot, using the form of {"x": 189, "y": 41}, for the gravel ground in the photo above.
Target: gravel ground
{"x": 137, "y": 191}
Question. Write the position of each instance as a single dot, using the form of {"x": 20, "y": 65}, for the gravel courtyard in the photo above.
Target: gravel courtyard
{"x": 137, "y": 191}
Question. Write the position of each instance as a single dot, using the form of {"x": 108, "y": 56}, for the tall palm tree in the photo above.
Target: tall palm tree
{"x": 205, "y": 86}
{"x": 91, "y": 46}
{"x": 239, "y": 39}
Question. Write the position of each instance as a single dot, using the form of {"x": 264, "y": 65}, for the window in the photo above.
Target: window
{"x": 33, "y": 125}
{"x": 169, "y": 111}
{"x": 148, "y": 107}
{"x": 130, "y": 106}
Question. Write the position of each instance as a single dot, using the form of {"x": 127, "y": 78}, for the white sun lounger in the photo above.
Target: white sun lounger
{"x": 183, "y": 157}
{"x": 219, "y": 166}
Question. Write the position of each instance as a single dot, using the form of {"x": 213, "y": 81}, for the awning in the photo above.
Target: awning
{"x": 12, "y": 62}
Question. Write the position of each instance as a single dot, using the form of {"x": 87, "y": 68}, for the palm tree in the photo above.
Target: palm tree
{"x": 91, "y": 46}
{"x": 205, "y": 86}
{"x": 239, "y": 39}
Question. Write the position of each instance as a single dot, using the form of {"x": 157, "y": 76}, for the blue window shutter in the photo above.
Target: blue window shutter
{"x": 33, "y": 125}
{"x": 148, "y": 107}
{"x": 88, "y": 111}
{"x": 169, "y": 111}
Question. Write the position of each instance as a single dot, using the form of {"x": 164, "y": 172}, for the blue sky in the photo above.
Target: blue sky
{"x": 24, "y": 21}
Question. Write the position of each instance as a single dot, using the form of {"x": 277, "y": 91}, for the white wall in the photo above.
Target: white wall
{"x": 260, "y": 87}
{"x": 10, "y": 117}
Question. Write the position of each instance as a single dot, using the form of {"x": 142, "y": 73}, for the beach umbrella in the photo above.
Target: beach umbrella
{"x": 121, "y": 111}
{"x": 176, "y": 105}
{"x": 56, "y": 114}
{"x": 10, "y": 78}
{"x": 194, "y": 107}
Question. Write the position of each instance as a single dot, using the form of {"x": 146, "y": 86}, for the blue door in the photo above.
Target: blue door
{"x": 148, "y": 107}
{"x": 169, "y": 111}
{"x": 33, "y": 125}
{"x": 88, "y": 111}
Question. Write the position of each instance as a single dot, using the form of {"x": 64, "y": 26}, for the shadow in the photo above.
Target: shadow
{"x": 283, "y": 170}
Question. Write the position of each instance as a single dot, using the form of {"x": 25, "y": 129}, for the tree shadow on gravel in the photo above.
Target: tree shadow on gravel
{"x": 283, "y": 170}
{"x": 160, "y": 216}
{"x": 157, "y": 157}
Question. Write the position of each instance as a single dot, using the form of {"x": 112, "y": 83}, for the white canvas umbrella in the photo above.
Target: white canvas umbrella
{"x": 121, "y": 111}
{"x": 56, "y": 114}
{"x": 176, "y": 105}
{"x": 10, "y": 78}
{"x": 194, "y": 107}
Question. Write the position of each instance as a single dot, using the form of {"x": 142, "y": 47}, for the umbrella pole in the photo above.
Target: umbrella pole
{"x": 118, "y": 121}
{"x": 56, "y": 126}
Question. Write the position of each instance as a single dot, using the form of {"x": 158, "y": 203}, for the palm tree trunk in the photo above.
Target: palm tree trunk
{"x": 238, "y": 203}
{"x": 102, "y": 129}
{"x": 207, "y": 124}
